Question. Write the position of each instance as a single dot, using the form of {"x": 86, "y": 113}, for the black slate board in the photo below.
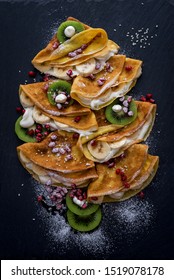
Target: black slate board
{"x": 26, "y": 230}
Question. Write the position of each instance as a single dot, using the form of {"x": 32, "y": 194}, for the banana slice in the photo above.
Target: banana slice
{"x": 61, "y": 73}
{"x": 25, "y": 100}
{"x": 100, "y": 150}
{"x": 23, "y": 158}
{"x": 39, "y": 117}
{"x": 38, "y": 170}
{"x": 118, "y": 144}
{"x": 87, "y": 67}
{"x": 60, "y": 125}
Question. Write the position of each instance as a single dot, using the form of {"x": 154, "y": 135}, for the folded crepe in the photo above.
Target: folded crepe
{"x": 57, "y": 160}
{"x": 35, "y": 94}
{"x": 95, "y": 40}
{"x": 110, "y": 141}
{"x": 137, "y": 168}
{"x": 118, "y": 79}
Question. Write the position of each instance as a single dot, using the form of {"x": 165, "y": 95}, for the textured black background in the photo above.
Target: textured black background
{"x": 25, "y": 28}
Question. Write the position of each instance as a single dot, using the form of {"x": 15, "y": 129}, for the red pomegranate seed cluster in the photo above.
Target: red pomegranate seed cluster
{"x": 56, "y": 195}
{"x": 20, "y": 110}
{"x": 40, "y": 132}
{"x": 123, "y": 176}
{"x": 78, "y": 51}
{"x": 46, "y": 78}
{"x": 80, "y": 194}
{"x": 147, "y": 98}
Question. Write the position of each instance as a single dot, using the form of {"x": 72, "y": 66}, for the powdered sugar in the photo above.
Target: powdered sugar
{"x": 129, "y": 219}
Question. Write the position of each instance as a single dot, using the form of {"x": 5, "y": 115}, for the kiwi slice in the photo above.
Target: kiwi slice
{"x": 85, "y": 223}
{"x": 60, "y": 32}
{"x": 91, "y": 208}
{"x": 121, "y": 118}
{"x": 22, "y": 132}
{"x": 57, "y": 87}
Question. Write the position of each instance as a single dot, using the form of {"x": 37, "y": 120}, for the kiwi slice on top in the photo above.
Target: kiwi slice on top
{"x": 56, "y": 88}
{"x": 85, "y": 223}
{"x": 22, "y": 132}
{"x": 78, "y": 27}
{"x": 121, "y": 117}
{"x": 91, "y": 208}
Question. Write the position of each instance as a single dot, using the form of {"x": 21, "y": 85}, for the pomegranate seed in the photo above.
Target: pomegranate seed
{"x": 19, "y": 109}
{"x": 121, "y": 173}
{"x": 84, "y": 46}
{"x": 39, "y": 198}
{"x": 126, "y": 185}
{"x": 128, "y": 68}
{"x": 98, "y": 65}
{"x": 23, "y": 111}
{"x": 142, "y": 98}
{"x": 84, "y": 205}
{"x": 69, "y": 73}
{"x": 46, "y": 133}
{"x": 39, "y": 127}
{"x": 73, "y": 186}
{"x": 72, "y": 54}
{"x": 45, "y": 87}
{"x": 91, "y": 76}
{"x": 71, "y": 195}
{"x": 30, "y": 132}
{"x": 93, "y": 143}
{"x": 123, "y": 177}
{"x": 46, "y": 78}
{"x": 94, "y": 198}
{"x": 149, "y": 95}
{"x": 38, "y": 139}
{"x": 118, "y": 170}
{"x": 37, "y": 131}
{"x": 32, "y": 74}
{"x": 75, "y": 135}
{"x": 141, "y": 194}
{"x": 151, "y": 100}
{"x": 80, "y": 197}
{"x": 77, "y": 119}
{"x": 84, "y": 195}
{"x": 55, "y": 45}
{"x": 47, "y": 126}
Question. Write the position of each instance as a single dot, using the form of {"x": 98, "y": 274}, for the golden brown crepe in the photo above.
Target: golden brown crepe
{"x": 114, "y": 141}
{"x": 97, "y": 45}
{"x": 138, "y": 167}
{"x": 38, "y": 96}
{"x": 118, "y": 82}
{"x": 64, "y": 166}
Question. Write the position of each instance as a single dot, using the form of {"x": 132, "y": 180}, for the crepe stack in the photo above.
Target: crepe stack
{"x": 99, "y": 76}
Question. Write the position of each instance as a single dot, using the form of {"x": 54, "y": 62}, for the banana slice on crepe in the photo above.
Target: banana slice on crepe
{"x": 57, "y": 160}
{"x": 116, "y": 139}
{"x": 130, "y": 175}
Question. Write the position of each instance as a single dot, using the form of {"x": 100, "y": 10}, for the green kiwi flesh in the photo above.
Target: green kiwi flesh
{"x": 60, "y": 32}
{"x": 22, "y": 132}
{"x": 54, "y": 89}
{"x": 91, "y": 208}
{"x": 86, "y": 223}
{"x": 121, "y": 118}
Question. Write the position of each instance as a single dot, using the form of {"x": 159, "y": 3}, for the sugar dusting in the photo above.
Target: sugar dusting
{"x": 129, "y": 219}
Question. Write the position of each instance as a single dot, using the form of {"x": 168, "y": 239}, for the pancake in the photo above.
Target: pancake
{"x": 37, "y": 95}
{"x": 139, "y": 168}
{"x": 110, "y": 142}
{"x": 95, "y": 40}
{"x": 125, "y": 72}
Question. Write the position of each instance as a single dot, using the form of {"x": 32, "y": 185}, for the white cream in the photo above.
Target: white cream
{"x": 78, "y": 201}
{"x": 27, "y": 118}
{"x": 69, "y": 31}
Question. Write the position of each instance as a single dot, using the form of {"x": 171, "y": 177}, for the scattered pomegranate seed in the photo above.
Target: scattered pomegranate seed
{"x": 143, "y": 98}
{"x": 123, "y": 177}
{"x": 122, "y": 173}
{"x": 151, "y": 100}
{"x": 91, "y": 76}
{"x": 30, "y": 132}
{"x": 112, "y": 164}
{"x": 32, "y": 74}
{"x": 39, "y": 139}
{"x": 39, "y": 127}
{"x": 141, "y": 194}
{"x": 84, "y": 205}
{"x": 47, "y": 126}
{"x": 128, "y": 68}
{"x": 149, "y": 95}
{"x": 23, "y": 111}
{"x": 94, "y": 198}
{"x": 46, "y": 78}
{"x": 93, "y": 143}
{"x": 70, "y": 73}
{"x": 77, "y": 119}
{"x": 98, "y": 65}
{"x": 126, "y": 185}
{"x": 46, "y": 133}
{"x": 118, "y": 170}
{"x": 101, "y": 81}
{"x": 75, "y": 135}
{"x": 19, "y": 110}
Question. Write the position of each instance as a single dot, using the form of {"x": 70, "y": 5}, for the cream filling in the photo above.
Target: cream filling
{"x": 61, "y": 73}
{"x": 117, "y": 147}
